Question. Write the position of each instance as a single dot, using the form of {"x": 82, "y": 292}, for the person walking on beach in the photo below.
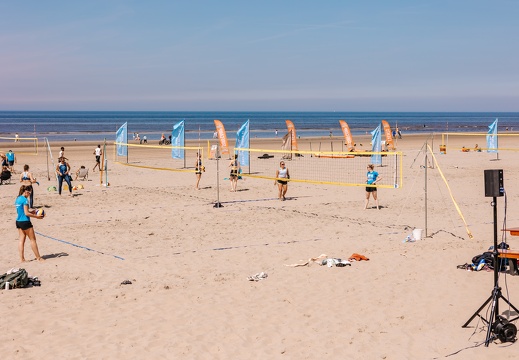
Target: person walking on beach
{"x": 235, "y": 168}
{"x": 63, "y": 172}
{"x": 62, "y": 153}
{"x": 399, "y": 133}
{"x": 282, "y": 176}
{"x": 27, "y": 179}
{"x": 23, "y": 222}
{"x": 16, "y": 137}
{"x": 372, "y": 178}
{"x": 98, "y": 152}
{"x": 198, "y": 170}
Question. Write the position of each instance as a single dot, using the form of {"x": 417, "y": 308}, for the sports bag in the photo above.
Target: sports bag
{"x": 16, "y": 279}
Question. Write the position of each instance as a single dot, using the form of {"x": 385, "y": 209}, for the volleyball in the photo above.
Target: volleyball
{"x": 40, "y": 212}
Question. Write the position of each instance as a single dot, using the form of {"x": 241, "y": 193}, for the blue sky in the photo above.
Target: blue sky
{"x": 437, "y": 55}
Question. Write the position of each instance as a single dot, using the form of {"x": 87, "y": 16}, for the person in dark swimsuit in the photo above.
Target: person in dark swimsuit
{"x": 235, "y": 167}
{"x": 198, "y": 170}
{"x": 26, "y": 178}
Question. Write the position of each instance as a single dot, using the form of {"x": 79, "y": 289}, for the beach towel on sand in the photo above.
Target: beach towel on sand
{"x": 357, "y": 257}
{"x": 309, "y": 261}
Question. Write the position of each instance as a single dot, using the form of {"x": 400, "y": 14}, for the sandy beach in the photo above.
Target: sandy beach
{"x": 188, "y": 262}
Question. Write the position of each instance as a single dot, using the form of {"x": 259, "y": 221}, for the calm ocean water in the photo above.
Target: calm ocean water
{"x": 92, "y": 125}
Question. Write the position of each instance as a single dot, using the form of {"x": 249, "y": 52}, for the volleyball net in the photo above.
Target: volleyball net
{"x": 332, "y": 168}
{"x": 159, "y": 157}
{"x": 466, "y": 142}
{"x": 19, "y": 145}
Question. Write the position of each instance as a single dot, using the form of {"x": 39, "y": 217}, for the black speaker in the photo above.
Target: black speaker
{"x": 494, "y": 183}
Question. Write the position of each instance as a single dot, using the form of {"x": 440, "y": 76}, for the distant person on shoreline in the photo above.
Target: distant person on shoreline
{"x": 16, "y": 137}
{"x": 276, "y": 132}
{"x": 399, "y": 133}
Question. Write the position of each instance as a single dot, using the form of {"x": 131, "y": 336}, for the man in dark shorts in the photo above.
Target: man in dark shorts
{"x": 98, "y": 152}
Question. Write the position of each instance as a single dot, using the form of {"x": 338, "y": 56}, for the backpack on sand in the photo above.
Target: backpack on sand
{"x": 17, "y": 279}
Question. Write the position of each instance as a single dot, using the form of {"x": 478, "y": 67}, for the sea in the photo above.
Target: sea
{"x": 99, "y": 125}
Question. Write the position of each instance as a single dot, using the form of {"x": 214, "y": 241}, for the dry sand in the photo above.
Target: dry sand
{"x": 188, "y": 263}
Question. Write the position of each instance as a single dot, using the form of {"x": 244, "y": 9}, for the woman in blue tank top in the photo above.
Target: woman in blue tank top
{"x": 62, "y": 170}
{"x": 23, "y": 222}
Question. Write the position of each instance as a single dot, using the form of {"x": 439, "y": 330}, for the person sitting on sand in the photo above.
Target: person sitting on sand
{"x": 477, "y": 148}
{"x": 464, "y": 149}
{"x": 82, "y": 173}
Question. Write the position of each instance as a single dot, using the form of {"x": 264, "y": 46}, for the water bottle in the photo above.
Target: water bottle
{"x": 7, "y": 285}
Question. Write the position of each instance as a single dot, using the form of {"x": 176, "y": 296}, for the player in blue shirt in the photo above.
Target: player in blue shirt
{"x": 23, "y": 222}
{"x": 372, "y": 178}
{"x": 10, "y": 159}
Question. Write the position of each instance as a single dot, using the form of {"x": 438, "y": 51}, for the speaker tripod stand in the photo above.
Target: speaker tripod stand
{"x": 496, "y": 292}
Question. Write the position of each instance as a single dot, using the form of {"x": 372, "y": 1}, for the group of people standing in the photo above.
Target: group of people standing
{"x": 283, "y": 176}
{"x": 24, "y": 203}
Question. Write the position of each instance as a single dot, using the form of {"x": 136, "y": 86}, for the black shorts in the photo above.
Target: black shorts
{"x": 370, "y": 189}
{"x": 24, "y": 225}
{"x": 98, "y": 158}
{"x": 11, "y": 163}
{"x": 282, "y": 182}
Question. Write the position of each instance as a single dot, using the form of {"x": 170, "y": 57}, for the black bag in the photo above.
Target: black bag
{"x": 487, "y": 256}
{"x": 17, "y": 279}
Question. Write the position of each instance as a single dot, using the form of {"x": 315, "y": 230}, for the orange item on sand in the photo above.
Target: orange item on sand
{"x": 357, "y": 257}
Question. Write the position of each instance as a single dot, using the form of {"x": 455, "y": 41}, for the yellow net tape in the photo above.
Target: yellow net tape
{"x": 450, "y": 193}
{"x": 324, "y": 167}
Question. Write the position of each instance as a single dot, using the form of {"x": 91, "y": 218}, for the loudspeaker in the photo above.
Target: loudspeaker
{"x": 494, "y": 183}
